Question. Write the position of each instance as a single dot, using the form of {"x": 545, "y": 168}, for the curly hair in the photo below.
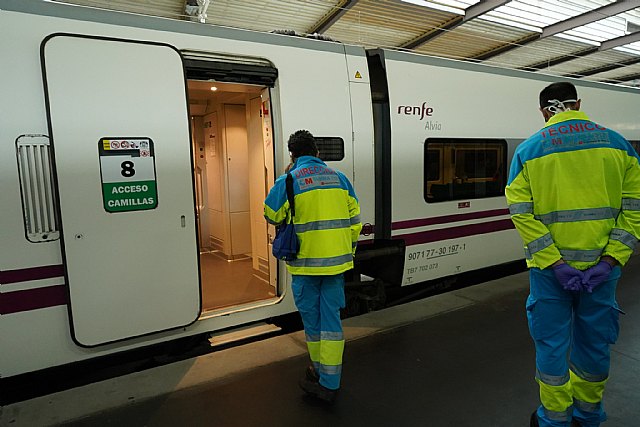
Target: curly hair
{"x": 302, "y": 143}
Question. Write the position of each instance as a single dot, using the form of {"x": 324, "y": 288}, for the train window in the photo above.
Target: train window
{"x": 464, "y": 168}
{"x": 434, "y": 165}
{"x": 636, "y": 146}
{"x": 38, "y": 202}
{"x": 331, "y": 148}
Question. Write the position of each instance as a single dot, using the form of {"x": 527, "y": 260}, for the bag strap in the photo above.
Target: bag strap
{"x": 289, "y": 185}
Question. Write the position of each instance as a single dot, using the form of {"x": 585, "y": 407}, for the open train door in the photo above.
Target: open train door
{"x": 119, "y": 125}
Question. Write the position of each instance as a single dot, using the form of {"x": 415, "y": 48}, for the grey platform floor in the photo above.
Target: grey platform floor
{"x": 463, "y": 358}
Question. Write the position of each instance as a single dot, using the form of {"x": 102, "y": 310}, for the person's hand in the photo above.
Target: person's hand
{"x": 570, "y": 278}
{"x": 596, "y": 275}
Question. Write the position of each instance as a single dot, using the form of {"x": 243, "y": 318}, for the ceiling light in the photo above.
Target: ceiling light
{"x": 213, "y": 88}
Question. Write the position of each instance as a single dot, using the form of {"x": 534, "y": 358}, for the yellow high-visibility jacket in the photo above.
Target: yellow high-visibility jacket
{"x": 327, "y": 217}
{"x": 574, "y": 193}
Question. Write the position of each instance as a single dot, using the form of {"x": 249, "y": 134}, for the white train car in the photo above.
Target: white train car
{"x": 136, "y": 152}
{"x": 449, "y": 130}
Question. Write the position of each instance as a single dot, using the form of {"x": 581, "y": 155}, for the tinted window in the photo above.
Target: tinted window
{"x": 464, "y": 168}
{"x": 331, "y": 148}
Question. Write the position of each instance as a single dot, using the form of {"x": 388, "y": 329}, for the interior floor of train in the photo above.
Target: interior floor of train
{"x": 462, "y": 358}
{"x": 235, "y": 282}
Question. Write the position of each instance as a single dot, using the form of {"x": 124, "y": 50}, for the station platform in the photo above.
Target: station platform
{"x": 463, "y": 358}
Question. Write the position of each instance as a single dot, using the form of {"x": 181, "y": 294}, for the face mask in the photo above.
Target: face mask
{"x": 558, "y": 106}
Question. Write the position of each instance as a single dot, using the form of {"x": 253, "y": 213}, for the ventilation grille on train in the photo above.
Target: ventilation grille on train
{"x": 38, "y": 199}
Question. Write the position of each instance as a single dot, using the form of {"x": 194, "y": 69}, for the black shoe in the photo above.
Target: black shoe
{"x": 575, "y": 423}
{"x": 311, "y": 374}
{"x": 318, "y": 391}
{"x": 534, "y": 419}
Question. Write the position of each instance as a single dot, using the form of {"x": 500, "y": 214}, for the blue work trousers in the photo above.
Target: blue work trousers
{"x": 572, "y": 332}
{"x": 319, "y": 300}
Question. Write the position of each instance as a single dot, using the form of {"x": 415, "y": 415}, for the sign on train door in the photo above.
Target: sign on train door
{"x": 119, "y": 125}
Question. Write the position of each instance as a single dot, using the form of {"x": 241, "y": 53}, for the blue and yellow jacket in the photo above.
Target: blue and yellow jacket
{"x": 327, "y": 219}
{"x": 574, "y": 193}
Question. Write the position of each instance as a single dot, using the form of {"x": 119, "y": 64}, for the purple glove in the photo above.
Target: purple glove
{"x": 570, "y": 278}
{"x": 596, "y": 275}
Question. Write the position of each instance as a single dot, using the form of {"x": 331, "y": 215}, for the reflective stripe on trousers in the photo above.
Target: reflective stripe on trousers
{"x": 582, "y": 325}
{"x": 319, "y": 300}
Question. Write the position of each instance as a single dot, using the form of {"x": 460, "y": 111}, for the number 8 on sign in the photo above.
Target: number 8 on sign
{"x": 128, "y": 175}
{"x": 127, "y": 169}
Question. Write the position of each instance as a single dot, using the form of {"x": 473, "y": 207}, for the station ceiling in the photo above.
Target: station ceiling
{"x": 586, "y": 39}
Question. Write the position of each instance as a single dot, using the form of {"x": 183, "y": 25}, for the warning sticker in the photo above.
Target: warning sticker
{"x": 128, "y": 171}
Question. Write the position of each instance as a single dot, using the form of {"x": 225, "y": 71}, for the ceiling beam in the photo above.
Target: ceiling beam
{"x": 605, "y": 68}
{"x": 436, "y": 32}
{"x": 560, "y": 59}
{"x": 483, "y": 7}
{"x": 333, "y": 17}
{"x": 507, "y": 47}
{"x": 566, "y": 25}
{"x": 609, "y": 44}
{"x": 589, "y": 17}
{"x": 470, "y": 13}
{"x": 623, "y": 78}
{"x": 620, "y": 41}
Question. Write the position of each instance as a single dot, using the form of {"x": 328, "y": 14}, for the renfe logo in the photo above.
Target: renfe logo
{"x": 421, "y": 111}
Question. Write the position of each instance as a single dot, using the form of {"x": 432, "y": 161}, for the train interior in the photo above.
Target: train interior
{"x": 233, "y": 171}
{"x": 464, "y": 168}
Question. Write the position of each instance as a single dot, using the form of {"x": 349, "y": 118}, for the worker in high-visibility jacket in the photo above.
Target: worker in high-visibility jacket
{"x": 327, "y": 223}
{"x": 574, "y": 196}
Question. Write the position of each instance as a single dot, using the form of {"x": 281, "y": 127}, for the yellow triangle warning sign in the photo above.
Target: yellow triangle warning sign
{"x": 358, "y": 75}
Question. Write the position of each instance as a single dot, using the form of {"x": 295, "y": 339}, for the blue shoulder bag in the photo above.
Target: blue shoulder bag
{"x": 286, "y": 244}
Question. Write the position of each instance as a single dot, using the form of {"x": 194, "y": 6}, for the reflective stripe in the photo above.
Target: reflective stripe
{"x": 323, "y": 225}
{"x": 321, "y": 262}
{"x": 560, "y": 416}
{"x": 540, "y": 244}
{"x": 578, "y": 215}
{"x": 586, "y": 406}
{"x": 623, "y": 237}
{"x": 330, "y": 369}
{"x": 312, "y": 338}
{"x": 587, "y": 376}
{"x": 331, "y": 336}
{"x": 631, "y": 204}
{"x": 554, "y": 380}
{"x": 521, "y": 208}
{"x": 355, "y": 220}
{"x": 584, "y": 256}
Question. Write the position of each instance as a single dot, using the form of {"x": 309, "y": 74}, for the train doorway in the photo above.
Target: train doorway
{"x": 233, "y": 170}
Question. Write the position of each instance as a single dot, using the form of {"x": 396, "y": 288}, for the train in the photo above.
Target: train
{"x": 136, "y": 153}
